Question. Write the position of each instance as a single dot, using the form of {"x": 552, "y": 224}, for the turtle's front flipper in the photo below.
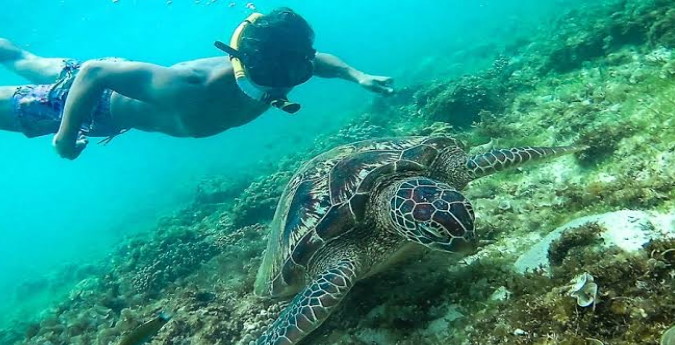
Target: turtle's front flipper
{"x": 500, "y": 159}
{"x": 311, "y": 306}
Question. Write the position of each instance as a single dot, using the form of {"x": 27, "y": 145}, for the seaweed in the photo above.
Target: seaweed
{"x": 466, "y": 100}
{"x": 635, "y": 304}
{"x": 584, "y": 235}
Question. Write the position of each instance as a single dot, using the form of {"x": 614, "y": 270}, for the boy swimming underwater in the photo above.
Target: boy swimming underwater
{"x": 269, "y": 55}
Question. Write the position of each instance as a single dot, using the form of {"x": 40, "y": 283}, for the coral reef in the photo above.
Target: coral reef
{"x": 462, "y": 102}
{"x": 258, "y": 201}
{"x": 614, "y": 25}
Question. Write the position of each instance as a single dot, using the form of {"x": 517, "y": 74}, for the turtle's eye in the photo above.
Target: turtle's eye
{"x": 432, "y": 213}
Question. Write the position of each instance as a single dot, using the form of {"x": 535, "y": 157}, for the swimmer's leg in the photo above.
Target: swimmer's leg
{"x": 8, "y": 119}
{"x": 37, "y": 69}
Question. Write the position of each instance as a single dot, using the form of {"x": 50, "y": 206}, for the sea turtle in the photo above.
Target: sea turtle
{"x": 352, "y": 211}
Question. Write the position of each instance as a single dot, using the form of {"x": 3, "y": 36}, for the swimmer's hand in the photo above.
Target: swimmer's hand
{"x": 69, "y": 148}
{"x": 376, "y": 83}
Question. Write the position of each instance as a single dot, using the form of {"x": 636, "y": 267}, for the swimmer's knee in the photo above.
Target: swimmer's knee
{"x": 9, "y": 52}
{"x": 39, "y": 70}
{"x": 5, "y": 43}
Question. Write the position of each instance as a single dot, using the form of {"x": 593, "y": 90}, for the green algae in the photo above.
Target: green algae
{"x": 634, "y": 302}
{"x": 563, "y": 247}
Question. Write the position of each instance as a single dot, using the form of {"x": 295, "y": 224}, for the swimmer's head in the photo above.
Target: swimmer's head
{"x": 277, "y": 49}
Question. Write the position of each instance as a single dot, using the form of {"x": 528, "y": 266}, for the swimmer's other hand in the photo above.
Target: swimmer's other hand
{"x": 379, "y": 84}
{"x": 69, "y": 148}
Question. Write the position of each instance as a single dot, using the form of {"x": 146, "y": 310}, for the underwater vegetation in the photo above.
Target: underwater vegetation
{"x": 603, "y": 76}
{"x": 463, "y": 101}
{"x": 633, "y": 305}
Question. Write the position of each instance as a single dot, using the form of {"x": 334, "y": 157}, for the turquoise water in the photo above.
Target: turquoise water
{"x": 54, "y": 211}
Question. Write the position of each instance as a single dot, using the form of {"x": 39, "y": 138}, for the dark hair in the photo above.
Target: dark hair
{"x": 278, "y": 49}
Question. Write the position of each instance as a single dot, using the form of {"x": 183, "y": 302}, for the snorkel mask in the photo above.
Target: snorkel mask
{"x": 269, "y": 74}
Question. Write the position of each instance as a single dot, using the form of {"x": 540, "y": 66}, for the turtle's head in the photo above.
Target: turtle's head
{"x": 427, "y": 212}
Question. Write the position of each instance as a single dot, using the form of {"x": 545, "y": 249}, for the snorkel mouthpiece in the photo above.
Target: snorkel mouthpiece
{"x": 245, "y": 84}
{"x": 285, "y": 105}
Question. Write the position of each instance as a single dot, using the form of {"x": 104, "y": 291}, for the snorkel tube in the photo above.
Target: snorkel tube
{"x": 275, "y": 97}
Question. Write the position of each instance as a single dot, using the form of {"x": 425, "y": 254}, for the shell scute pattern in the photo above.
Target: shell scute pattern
{"x": 349, "y": 172}
{"x": 425, "y": 153}
{"x": 337, "y": 220}
{"x": 357, "y": 205}
{"x": 307, "y": 245}
{"x": 327, "y": 197}
{"x": 400, "y": 165}
{"x": 442, "y": 142}
{"x": 305, "y": 209}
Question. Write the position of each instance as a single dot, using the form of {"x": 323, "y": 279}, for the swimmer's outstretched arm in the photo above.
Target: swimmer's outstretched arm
{"x": 142, "y": 81}
{"x": 330, "y": 66}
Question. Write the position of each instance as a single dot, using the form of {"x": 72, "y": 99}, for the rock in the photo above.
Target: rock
{"x": 626, "y": 229}
{"x": 501, "y": 294}
{"x": 442, "y": 324}
{"x": 668, "y": 337}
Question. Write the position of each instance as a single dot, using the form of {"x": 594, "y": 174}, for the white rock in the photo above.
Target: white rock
{"x": 442, "y": 324}
{"x": 519, "y": 331}
{"x": 627, "y": 229}
{"x": 501, "y": 294}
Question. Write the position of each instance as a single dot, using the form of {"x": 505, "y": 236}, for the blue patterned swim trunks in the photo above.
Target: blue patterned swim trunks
{"x": 39, "y": 108}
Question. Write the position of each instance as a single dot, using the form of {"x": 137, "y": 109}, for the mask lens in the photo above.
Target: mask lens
{"x": 279, "y": 72}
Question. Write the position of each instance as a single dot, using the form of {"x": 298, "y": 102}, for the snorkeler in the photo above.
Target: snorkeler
{"x": 268, "y": 56}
